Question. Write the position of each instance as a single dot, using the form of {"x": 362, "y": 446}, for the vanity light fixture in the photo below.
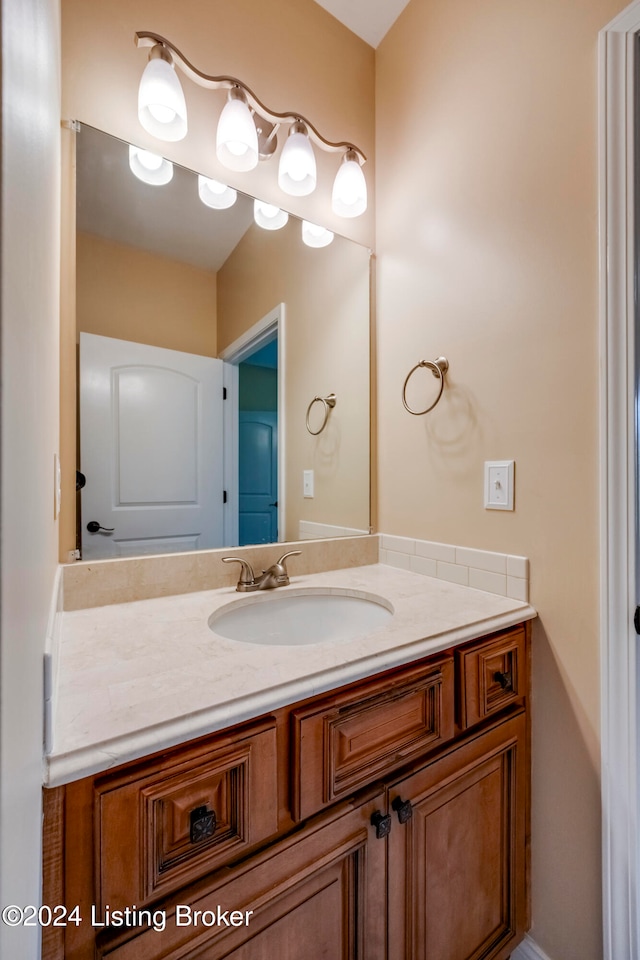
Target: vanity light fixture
{"x": 314, "y": 235}
{"x": 150, "y": 167}
{"x": 247, "y": 132}
{"x": 349, "y": 196}
{"x": 297, "y": 169}
{"x": 216, "y": 195}
{"x": 237, "y": 137}
{"x": 269, "y": 217}
{"x": 162, "y": 109}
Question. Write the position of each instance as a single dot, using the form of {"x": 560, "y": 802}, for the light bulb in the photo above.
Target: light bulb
{"x": 349, "y": 196}
{"x": 314, "y": 235}
{"x": 269, "y": 217}
{"x": 214, "y": 194}
{"x": 237, "y": 137}
{"x": 297, "y": 169}
{"x": 149, "y": 167}
{"x": 162, "y": 109}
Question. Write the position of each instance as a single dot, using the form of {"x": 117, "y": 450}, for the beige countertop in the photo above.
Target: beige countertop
{"x": 134, "y": 678}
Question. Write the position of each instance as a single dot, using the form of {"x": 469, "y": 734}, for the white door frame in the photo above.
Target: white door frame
{"x": 273, "y": 323}
{"x": 618, "y": 497}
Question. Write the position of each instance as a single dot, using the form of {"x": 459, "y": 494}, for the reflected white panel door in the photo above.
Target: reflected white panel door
{"x": 150, "y": 448}
{"x": 258, "y": 477}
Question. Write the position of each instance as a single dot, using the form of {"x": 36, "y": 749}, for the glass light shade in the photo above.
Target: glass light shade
{"x": 269, "y": 217}
{"x": 315, "y": 236}
{"x": 237, "y": 137}
{"x": 150, "y": 167}
{"x": 162, "y": 110}
{"x": 214, "y": 194}
{"x": 349, "y": 196}
{"x": 297, "y": 170}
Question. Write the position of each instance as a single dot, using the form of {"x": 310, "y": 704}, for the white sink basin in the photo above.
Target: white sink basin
{"x": 300, "y": 617}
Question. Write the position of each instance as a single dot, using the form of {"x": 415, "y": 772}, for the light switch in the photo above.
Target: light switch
{"x": 307, "y": 483}
{"x": 499, "y": 484}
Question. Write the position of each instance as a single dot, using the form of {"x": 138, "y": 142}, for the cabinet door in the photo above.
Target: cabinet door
{"x": 319, "y": 894}
{"x": 457, "y": 865}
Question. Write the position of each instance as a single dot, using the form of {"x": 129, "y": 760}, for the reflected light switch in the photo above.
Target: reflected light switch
{"x": 307, "y": 483}
{"x": 498, "y": 484}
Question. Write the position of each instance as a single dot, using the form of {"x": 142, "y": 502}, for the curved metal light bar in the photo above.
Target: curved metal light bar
{"x": 146, "y": 39}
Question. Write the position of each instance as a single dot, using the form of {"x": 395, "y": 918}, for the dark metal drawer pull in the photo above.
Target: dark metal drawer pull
{"x": 403, "y": 808}
{"x": 202, "y": 824}
{"x": 382, "y": 823}
{"x": 504, "y": 679}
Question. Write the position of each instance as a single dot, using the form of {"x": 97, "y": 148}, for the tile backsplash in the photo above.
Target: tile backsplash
{"x": 95, "y": 583}
{"x": 500, "y": 573}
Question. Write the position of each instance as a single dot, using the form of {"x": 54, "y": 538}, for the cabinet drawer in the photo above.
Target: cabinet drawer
{"x": 173, "y": 821}
{"x": 346, "y": 741}
{"x": 493, "y": 675}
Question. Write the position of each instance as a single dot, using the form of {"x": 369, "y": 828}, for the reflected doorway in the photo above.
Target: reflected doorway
{"x": 258, "y": 445}
{"x": 257, "y": 357}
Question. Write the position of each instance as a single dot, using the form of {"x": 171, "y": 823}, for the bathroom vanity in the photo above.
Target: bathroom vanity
{"x": 377, "y": 819}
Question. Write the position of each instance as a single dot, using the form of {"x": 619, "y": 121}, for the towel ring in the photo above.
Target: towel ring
{"x": 438, "y": 368}
{"x": 329, "y": 403}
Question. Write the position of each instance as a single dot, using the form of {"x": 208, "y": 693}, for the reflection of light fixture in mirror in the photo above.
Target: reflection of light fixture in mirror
{"x": 247, "y": 133}
{"x": 269, "y": 217}
{"x": 162, "y": 110}
{"x": 214, "y": 194}
{"x": 150, "y": 167}
{"x": 349, "y": 197}
{"x": 237, "y": 137}
{"x": 315, "y": 236}
{"x": 297, "y": 170}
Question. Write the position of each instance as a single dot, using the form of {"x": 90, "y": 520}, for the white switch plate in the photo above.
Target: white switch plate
{"x": 499, "y": 484}
{"x": 307, "y": 483}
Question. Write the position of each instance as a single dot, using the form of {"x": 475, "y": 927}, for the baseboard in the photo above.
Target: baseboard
{"x": 529, "y": 950}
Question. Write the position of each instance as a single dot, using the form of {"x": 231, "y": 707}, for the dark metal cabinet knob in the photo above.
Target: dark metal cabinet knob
{"x": 202, "y": 824}
{"x": 94, "y": 527}
{"x": 504, "y": 679}
{"x": 382, "y": 823}
{"x": 403, "y": 808}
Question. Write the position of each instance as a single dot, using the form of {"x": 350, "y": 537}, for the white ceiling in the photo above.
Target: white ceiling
{"x": 369, "y": 19}
{"x": 170, "y": 220}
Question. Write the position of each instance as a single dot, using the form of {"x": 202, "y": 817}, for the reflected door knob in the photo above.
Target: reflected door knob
{"x": 94, "y": 527}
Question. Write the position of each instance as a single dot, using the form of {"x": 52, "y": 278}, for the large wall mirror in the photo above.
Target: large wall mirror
{"x": 207, "y": 328}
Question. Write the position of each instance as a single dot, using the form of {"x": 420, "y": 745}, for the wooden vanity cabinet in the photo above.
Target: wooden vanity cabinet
{"x": 386, "y": 820}
{"x": 457, "y": 864}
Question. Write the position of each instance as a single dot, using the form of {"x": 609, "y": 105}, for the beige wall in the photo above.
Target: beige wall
{"x": 131, "y": 294}
{"x": 326, "y": 297}
{"x": 487, "y": 253}
{"x": 30, "y": 386}
{"x": 292, "y": 53}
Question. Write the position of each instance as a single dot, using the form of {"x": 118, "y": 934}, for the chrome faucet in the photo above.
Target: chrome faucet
{"x": 275, "y": 576}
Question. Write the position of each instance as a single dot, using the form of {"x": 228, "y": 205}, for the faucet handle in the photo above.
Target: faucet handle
{"x": 292, "y": 553}
{"x": 247, "y": 576}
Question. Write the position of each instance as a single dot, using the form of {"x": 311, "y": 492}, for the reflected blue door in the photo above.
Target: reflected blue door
{"x": 258, "y": 477}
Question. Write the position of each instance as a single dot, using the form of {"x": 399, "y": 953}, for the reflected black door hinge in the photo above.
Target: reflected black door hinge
{"x": 636, "y": 619}
{"x": 224, "y": 393}
{"x": 224, "y": 496}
